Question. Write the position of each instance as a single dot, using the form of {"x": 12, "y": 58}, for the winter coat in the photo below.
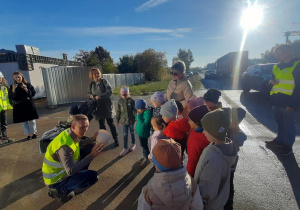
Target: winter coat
{"x": 170, "y": 190}
{"x": 126, "y": 111}
{"x": 104, "y": 104}
{"x": 143, "y": 124}
{"x": 179, "y": 90}
{"x": 213, "y": 174}
{"x": 195, "y": 145}
{"x": 23, "y": 106}
{"x": 178, "y": 130}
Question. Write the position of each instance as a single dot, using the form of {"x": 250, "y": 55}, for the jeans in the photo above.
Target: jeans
{"x": 125, "y": 134}
{"x": 144, "y": 145}
{"x": 113, "y": 129}
{"x": 286, "y": 126}
{"x": 82, "y": 179}
{"x": 3, "y": 121}
{"x": 29, "y": 127}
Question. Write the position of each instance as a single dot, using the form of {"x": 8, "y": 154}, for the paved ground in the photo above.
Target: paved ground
{"x": 264, "y": 179}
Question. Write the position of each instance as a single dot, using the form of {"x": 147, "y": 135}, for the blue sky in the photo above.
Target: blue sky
{"x": 209, "y": 28}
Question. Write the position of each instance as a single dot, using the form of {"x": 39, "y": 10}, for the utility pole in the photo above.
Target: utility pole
{"x": 287, "y": 34}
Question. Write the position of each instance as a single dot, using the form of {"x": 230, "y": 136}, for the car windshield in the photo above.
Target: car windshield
{"x": 267, "y": 69}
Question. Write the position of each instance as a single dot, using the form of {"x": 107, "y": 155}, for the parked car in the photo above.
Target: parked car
{"x": 189, "y": 74}
{"x": 257, "y": 77}
{"x": 210, "y": 74}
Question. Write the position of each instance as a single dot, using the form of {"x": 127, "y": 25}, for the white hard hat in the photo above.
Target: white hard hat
{"x": 1, "y": 75}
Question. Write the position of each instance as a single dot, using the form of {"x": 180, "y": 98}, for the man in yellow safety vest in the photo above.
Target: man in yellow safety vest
{"x": 66, "y": 162}
{"x": 285, "y": 97}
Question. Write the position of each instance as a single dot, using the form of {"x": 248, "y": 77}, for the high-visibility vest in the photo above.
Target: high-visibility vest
{"x": 285, "y": 77}
{"x": 53, "y": 170}
{"x": 4, "y": 101}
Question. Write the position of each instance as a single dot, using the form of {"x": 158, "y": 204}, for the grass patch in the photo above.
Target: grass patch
{"x": 151, "y": 87}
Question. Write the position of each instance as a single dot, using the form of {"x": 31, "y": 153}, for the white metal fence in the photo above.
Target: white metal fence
{"x": 70, "y": 84}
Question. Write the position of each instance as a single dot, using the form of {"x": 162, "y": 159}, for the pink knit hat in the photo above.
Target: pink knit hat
{"x": 124, "y": 90}
{"x": 194, "y": 102}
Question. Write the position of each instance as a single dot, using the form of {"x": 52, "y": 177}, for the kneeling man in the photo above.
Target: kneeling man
{"x": 66, "y": 162}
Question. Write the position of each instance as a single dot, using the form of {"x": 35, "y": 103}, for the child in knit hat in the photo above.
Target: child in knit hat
{"x": 158, "y": 124}
{"x": 143, "y": 126}
{"x": 194, "y": 102}
{"x": 213, "y": 168}
{"x": 176, "y": 129}
{"x": 157, "y": 99}
{"x": 211, "y": 99}
{"x": 171, "y": 187}
{"x": 197, "y": 141}
{"x": 125, "y": 115}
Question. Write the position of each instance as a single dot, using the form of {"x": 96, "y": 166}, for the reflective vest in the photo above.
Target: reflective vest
{"x": 53, "y": 170}
{"x": 285, "y": 77}
{"x": 4, "y": 101}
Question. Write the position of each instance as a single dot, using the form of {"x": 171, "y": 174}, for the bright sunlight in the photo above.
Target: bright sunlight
{"x": 252, "y": 17}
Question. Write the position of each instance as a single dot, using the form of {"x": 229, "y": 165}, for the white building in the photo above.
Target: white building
{"x": 28, "y": 61}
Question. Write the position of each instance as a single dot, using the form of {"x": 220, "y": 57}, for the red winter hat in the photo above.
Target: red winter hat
{"x": 197, "y": 114}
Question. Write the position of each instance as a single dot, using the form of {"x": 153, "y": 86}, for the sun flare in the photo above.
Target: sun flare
{"x": 252, "y": 17}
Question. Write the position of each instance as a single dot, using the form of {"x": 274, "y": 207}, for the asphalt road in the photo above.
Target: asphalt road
{"x": 263, "y": 179}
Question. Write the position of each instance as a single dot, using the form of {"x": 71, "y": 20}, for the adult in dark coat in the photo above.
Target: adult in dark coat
{"x": 100, "y": 90}
{"x": 24, "y": 110}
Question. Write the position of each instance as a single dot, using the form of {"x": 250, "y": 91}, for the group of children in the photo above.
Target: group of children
{"x": 204, "y": 138}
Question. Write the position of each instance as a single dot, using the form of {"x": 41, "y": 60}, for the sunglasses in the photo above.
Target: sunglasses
{"x": 174, "y": 74}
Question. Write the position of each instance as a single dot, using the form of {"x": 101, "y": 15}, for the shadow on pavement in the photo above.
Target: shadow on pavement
{"x": 131, "y": 200}
{"x": 260, "y": 108}
{"x": 292, "y": 169}
{"x": 31, "y": 183}
{"x": 104, "y": 200}
{"x": 20, "y": 188}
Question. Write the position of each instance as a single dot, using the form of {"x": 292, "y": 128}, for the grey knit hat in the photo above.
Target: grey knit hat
{"x": 169, "y": 109}
{"x": 217, "y": 123}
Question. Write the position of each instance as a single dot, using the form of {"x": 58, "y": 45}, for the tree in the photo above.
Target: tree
{"x": 84, "y": 57}
{"x": 102, "y": 54}
{"x": 109, "y": 67}
{"x": 127, "y": 64}
{"x": 151, "y": 63}
{"x": 186, "y": 57}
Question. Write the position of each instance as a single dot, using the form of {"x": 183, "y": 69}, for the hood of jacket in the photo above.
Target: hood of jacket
{"x": 177, "y": 129}
{"x": 227, "y": 151}
{"x": 171, "y": 189}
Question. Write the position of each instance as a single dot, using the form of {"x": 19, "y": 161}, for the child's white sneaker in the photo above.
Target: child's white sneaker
{"x": 124, "y": 152}
{"x": 132, "y": 147}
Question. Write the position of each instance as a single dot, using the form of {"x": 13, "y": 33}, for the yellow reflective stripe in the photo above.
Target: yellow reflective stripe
{"x": 54, "y": 164}
{"x": 53, "y": 175}
{"x": 282, "y": 90}
{"x": 290, "y": 82}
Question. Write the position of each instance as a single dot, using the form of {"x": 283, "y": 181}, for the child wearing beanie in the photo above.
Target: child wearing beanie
{"x": 157, "y": 99}
{"x": 176, "y": 129}
{"x": 194, "y": 102}
{"x": 197, "y": 141}
{"x": 171, "y": 187}
{"x": 211, "y": 99}
{"x": 158, "y": 124}
{"x": 213, "y": 168}
{"x": 125, "y": 115}
{"x": 143, "y": 126}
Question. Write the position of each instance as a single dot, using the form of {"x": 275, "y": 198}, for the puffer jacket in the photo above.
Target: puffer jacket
{"x": 170, "y": 190}
{"x": 179, "y": 90}
{"x": 126, "y": 111}
{"x": 178, "y": 129}
{"x": 196, "y": 143}
{"x": 213, "y": 174}
{"x": 143, "y": 124}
